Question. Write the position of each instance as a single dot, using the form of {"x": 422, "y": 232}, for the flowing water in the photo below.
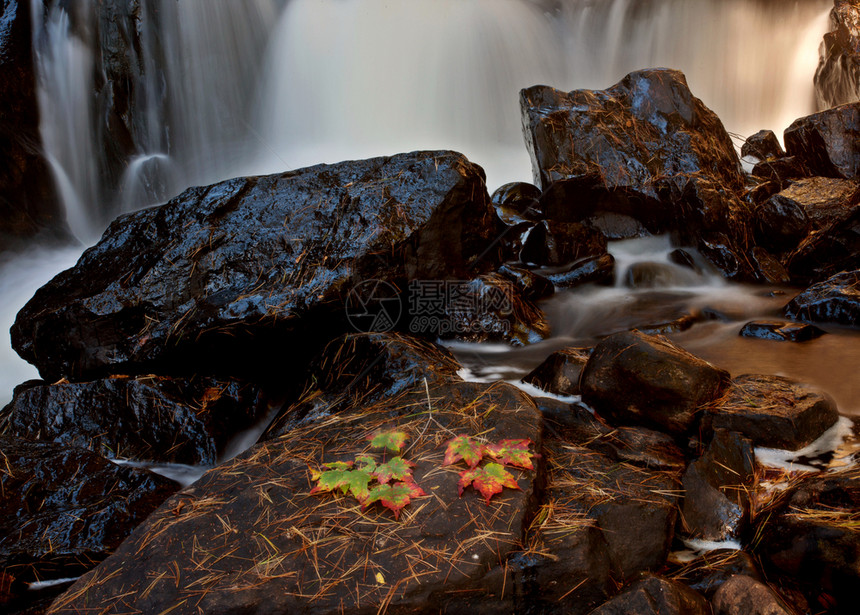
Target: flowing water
{"x": 230, "y": 88}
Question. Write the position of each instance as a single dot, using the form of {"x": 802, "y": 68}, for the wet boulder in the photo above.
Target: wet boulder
{"x": 824, "y": 200}
{"x": 260, "y": 521}
{"x": 64, "y": 508}
{"x": 716, "y": 501}
{"x": 781, "y": 171}
{"x": 762, "y": 145}
{"x": 28, "y": 200}
{"x": 156, "y": 418}
{"x": 835, "y": 300}
{"x": 591, "y": 269}
{"x": 837, "y": 77}
{"x": 559, "y": 373}
{"x": 552, "y": 243}
{"x": 725, "y": 254}
{"x": 831, "y": 250}
{"x": 773, "y": 411}
{"x": 636, "y": 378}
{"x": 517, "y": 201}
{"x": 648, "y": 126}
{"x": 811, "y": 535}
{"x": 743, "y": 595}
{"x": 640, "y": 446}
{"x": 225, "y": 276}
{"x": 781, "y": 222}
{"x": 634, "y": 508}
{"x": 826, "y": 143}
{"x": 780, "y": 331}
{"x": 767, "y": 268}
{"x": 655, "y": 596}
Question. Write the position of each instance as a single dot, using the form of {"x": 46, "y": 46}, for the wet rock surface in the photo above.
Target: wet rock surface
{"x": 636, "y": 378}
{"x": 707, "y": 573}
{"x": 773, "y": 411}
{"x": 559, "y": 373}
{"x": 811, "y": 535}
{"x": 762, "y": 145}
{"x": 778, "y": 330}
{"x": 66, "y": 508}
{"x": 834, "y": 300}
{"x": 742, "y": 595}
{"x": 188, "y": 421}
{"x": 214, "y": 275}
{"x": 596, "y": 269}
{"x": 655, "y": 595}
{"x": 825, "y": 143}
{"x": 552, "y": 243}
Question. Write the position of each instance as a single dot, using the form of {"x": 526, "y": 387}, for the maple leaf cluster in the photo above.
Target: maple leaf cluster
{"x": 395, "y": 486}
{"x": 490, "y": 478}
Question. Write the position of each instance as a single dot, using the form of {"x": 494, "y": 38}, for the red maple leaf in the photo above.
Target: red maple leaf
{"x": 394, "y": 496}
{"x": 395, "y": 468}
{"x": 512, "y": 453}
{"x": 488, "y": 480}
{"x": 465, "y": 448}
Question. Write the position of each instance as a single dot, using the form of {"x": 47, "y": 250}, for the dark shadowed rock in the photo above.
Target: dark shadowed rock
{"x": 559, "y": 373}
{"x": 643, "y": 447}
{"x": 225, "y": 276}
{"x": 781, "y": 222}
{"x": 707, "y": 573}
{"x": 65, "y": 508}
{"x": 780, "y": 170}
{"x": 176, "y": 420}
{"x": 517, "y": 201}
{"x": 636, "y": 378}
{"x": 532, "y": 285}
{"x": 837, "y": 77}
{"x": 28, "y": 202}
{"x": 831, "y": 250}
{"x": 824, "y": 200}
{"x": 811, "y": 535}
{"x": 767, "y": 268}
{"x": 656, "y": 596}
{"x": 773, "y": 411}
{"x": 716, "y": 501}
{"x": 835, "y": 300}
{"x": 633, "y": 508}
{"x": 826, "y": 143}
{"x": 682, "y": 257}
{"x": 779, "y": 331}
{"x": 725, "y": 255}
{"x": 762, "y": 145}
{"x": 743, "y": 595}
{"x": 552, "y": 243}
{"x": 596, "y": 269}
{"x": 256, "y": 524}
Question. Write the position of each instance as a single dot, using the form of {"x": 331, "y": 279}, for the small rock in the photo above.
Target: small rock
{"x": 762, "y": 145}
{"x": 655, "y": 596}
{"x": 707, "y": 573}
{"x": 780, "y": 331}
{"x": 835, "y": 300}
{"x": 596, "y": 269}
{"x": 532, "y": 285}
{"x": 553, "y": 243}
{"x": 742, "y": 595}
{"x": 767, "y": 268}
{"x": 559, "y": 373}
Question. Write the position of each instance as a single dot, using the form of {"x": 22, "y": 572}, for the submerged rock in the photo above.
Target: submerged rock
{"x": 835, "y": 300}
{"x": 636, "y": 378}
{"x": 225, "y": 276}
{"x": 176, "y": 420}
{"x": 773, "y": 411}
{"x": 64, "y": 508}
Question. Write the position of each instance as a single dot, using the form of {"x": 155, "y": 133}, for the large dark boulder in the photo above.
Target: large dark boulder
{"x": 632, "y": 150}
{"x": 835, "y": 300}
{"x": 837, "y": 78}
{"x": 636, "y": 378}
{"x": 223, "y": 277}
{"x": 811, "y": 534}
{"x": 270, "y": 546}
{"x": 826, "y": 143}
{"x": 828, "y": 251}
{"x": 28, "y": 201}
{"x": 65, "y": 508}
{"x": 773, "y": 411}
{"x": 177, "y": 420}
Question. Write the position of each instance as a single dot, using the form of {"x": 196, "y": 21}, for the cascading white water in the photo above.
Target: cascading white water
{"x": 229, "y": 88}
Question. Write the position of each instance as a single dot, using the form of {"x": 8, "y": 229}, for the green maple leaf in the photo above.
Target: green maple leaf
{"x": 512, "y": 453}
{"x": 488, "y": 480}
{"x": 389, "y": 440}
{"x": 352, "y": 481}
{"x": 395, "y": 468}
{"x": 366, "y": 463}
{"x": 465, "y": 448}
{"x": 394, "y": 496}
